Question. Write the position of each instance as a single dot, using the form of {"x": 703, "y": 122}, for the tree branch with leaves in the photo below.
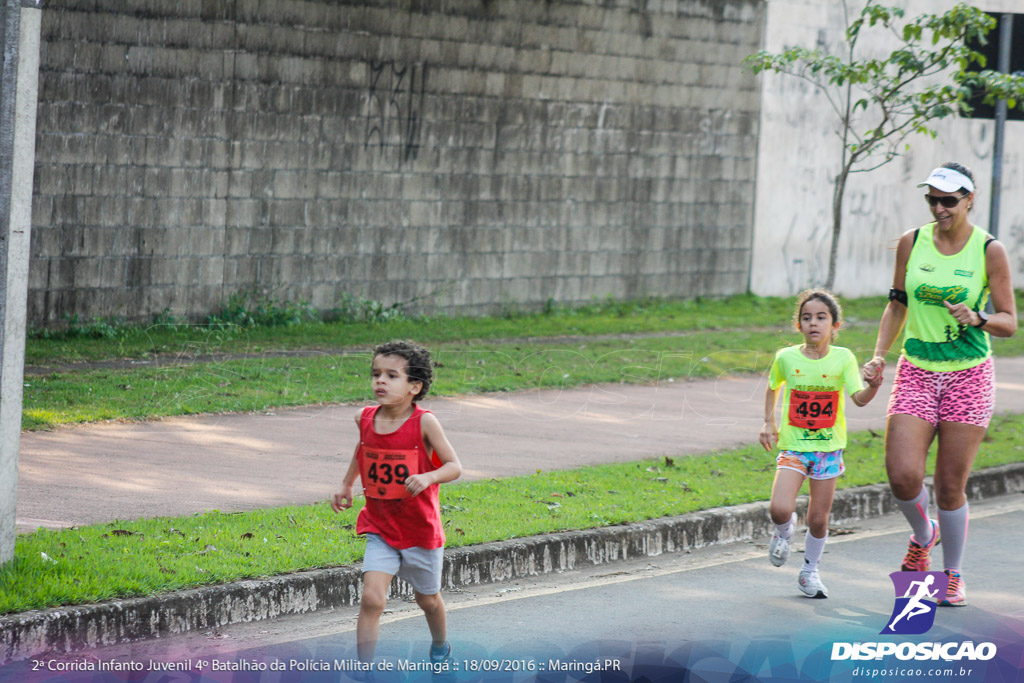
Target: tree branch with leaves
{"x": 878, "y": 103}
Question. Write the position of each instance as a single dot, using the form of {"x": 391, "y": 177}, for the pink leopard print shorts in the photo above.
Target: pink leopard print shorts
{"x": 966, "y": 396}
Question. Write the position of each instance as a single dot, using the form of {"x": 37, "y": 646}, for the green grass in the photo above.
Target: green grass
{"x": 640, "y": 341}
{"x": 599, "y": 318}
{"x": 121, "y": 559}
{"x": 251, "y": 384}
{"x": 260, "y": 383}
{"x": 644, "y": 316}
{"x": 143, "y": 557}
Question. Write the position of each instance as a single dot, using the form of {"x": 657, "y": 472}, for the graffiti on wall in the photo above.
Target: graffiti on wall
{"x": 394, "y": 109}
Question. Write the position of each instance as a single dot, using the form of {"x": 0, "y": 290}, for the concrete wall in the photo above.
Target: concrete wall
{"x": 798, "y": 156}
{"x": 494, "y": 151}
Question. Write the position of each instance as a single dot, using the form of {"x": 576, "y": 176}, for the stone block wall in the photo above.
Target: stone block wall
{"x": 478, "y": 153}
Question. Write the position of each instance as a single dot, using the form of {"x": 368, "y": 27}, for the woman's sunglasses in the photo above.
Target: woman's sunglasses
{"x": 948, "y": 201}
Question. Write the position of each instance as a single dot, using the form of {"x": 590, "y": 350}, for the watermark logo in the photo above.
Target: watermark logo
{"x": 917, "y": 595}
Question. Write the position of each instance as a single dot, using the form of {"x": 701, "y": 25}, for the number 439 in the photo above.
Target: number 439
{"x": 384, "y": 474}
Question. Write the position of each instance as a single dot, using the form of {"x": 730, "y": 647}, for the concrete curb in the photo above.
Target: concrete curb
{"x": 68, "y": 629}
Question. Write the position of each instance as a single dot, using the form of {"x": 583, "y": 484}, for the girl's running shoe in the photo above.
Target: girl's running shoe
{"x": 778, "y": 547}
{"x": 956, "y": 592}
{"x": 917, "y": 558}
{"x": 811, "y": 585}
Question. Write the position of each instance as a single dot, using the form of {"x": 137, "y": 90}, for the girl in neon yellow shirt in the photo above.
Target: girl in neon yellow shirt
{"x": 813, "y": 432}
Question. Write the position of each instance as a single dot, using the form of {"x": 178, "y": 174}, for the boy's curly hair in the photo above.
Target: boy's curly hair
{"x": 418, "y": 365}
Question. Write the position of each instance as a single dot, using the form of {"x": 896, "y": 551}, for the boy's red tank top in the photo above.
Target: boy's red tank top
{"x": 404, "y": 522}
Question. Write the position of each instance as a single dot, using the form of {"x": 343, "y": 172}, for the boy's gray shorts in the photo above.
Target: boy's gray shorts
{"x": 421, "y": 567}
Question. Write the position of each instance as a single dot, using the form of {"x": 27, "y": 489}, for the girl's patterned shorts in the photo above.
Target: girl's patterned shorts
{"x": 966, "y": 396}
{"x": 814, "y": 464}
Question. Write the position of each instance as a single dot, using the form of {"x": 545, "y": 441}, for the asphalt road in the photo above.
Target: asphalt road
{"x": 714, "y": 613}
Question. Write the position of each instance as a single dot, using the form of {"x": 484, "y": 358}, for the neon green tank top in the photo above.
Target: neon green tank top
{"x": 933, "y": 339}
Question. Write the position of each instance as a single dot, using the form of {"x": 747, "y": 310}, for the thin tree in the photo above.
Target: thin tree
{"x": 880, "y": 102}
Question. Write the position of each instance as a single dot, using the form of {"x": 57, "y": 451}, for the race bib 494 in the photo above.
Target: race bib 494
{"x": 813, "y": 409}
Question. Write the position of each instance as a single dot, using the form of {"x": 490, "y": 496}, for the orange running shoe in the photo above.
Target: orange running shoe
{"x": 956, "y": 592}
{"x": 917, "y": 558}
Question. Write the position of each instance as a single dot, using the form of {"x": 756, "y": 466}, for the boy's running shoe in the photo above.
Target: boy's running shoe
{"x": 917, "y": 558}
{"x": 440, "y": 655}
{"x": 956, "y": 592}
{"x": 778, "y": 547}
{"x": 811, "y": 585}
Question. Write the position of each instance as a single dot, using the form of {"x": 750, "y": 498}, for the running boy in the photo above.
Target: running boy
{"x": 401, "y": 458}
{"x": 813, "y": 433}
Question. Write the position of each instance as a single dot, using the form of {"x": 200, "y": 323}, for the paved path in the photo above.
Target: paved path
{"x": 709, "y": 610}
{"x": 180, "y": 466}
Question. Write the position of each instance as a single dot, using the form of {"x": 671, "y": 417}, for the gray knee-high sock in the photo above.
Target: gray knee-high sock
{"x": 953, "y": 524}
{"x": 916, "y": 512}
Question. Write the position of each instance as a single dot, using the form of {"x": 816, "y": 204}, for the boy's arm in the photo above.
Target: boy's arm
{"x": 769, "y": 432}
{"x": 342, "y": 500}
{"x": 450, "y": 469}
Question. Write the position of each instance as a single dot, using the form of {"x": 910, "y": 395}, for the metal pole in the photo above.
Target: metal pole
{"x": 1005, "y": 36}
{"x": 19, "y": 78}
{"x": 8, "y": 95}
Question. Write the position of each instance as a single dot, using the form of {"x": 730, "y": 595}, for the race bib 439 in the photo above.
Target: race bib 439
{"x": 384, "y": 471}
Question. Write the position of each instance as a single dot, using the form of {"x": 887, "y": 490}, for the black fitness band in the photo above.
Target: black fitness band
{"x": 898, "y": 295}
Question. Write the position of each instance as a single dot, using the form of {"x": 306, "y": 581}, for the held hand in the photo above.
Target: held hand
{"x": 963, "y": 314}
{"x": 872, "y": 371}
{"x": 769, "y": 436}
{"x": 342, "y": 500}
{"x": 417, "y": 483}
